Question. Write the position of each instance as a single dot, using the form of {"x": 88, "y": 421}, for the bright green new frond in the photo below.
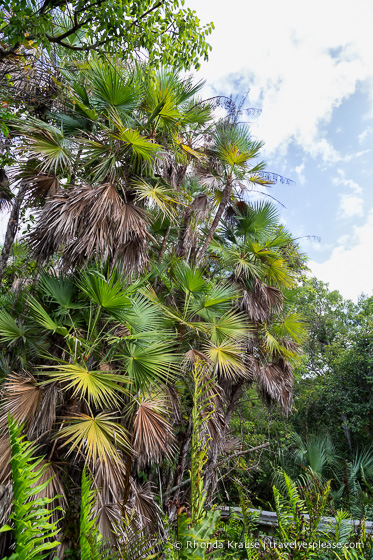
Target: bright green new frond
{"x": 42, "y": 317}
{"x": 189, "y": 279}
{"x": 156, "y": 197}
{"x": 95, "y": 437}
{"x": 148, "y": 364}
{"x": 227, "y": 357}
{"x": 232, "y": 325}
{"x": 108, "y": 293}
{"x": 10, "y": 332}
{"x": 100, "y": 388}
{"x": 140, "y": 146}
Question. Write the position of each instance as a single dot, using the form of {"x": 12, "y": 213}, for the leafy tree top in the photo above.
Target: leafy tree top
{"x": 165, "y": 32}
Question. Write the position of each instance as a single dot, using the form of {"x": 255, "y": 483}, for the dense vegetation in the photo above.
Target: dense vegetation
{"x": 156, "y": 320}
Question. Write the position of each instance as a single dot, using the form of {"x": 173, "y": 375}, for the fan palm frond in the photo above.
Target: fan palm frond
{"x": 275, "y": 381}
{"x": 107, "y": 292}
{"x": 94, "y": 436}
{"x": 60, "y": 289}
{"x": 230, "y": 326}
{"x": 152, "y": 432}
{"x": 6, "y": 196}
{"x": 47, "y": 144}
{"x": 109, "y": 87}
{"x": 146, "y": 364}
{"x": 143, "y": 502}
{"x": 89, "y": 222}
{"x": 156, "y": 196}
{"x": 21, "y": 397}
{"x": 10, "y": 331}
{"x": 100, "y": 388}
{"x": 227, "y": 357}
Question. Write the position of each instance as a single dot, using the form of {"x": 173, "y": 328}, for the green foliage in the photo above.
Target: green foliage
{"x": 170, "y": 34}
{"x": 202, "y": 411}
{"x": 91, "y": 546}
{"x": 34, "y": 528}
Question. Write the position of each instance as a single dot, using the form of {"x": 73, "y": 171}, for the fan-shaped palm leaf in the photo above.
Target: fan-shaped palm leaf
{"x": 152, "y": 434}
{"x": 20, "y": 397}
{"x": 10, "y": 331}
{"x": 156, "y": 196}
{"x": 100, "y": 388}
{"x": 88, "y": 222}
{"x": 146, "y": 364}
{"x": 95, "y": 437}
{"x": 227, "y": 358}
{"x": 107, "y": 292}
{"x": 231, "y": 325}
{"x": 48, "y": 144}
{"x": 275, "y": 382}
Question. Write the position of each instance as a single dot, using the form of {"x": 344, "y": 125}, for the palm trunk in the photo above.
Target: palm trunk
{"x": 183, "y": 456}
{"x": 184, "y": 231}
{"x": 222, "y": 206}
{"x": 12, "y": 229}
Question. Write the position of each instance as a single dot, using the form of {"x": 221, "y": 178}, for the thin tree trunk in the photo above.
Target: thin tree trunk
{"x": 184, "y": 230}
{"x": 347, "y": 432}
{"x": 12, "y": 229}
{"x": 222, "y": 206}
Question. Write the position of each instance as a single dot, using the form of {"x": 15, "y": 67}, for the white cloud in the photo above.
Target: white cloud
{"x": 341, "y": 180}
{"x": 349, "y": 268}
{"x": 362, "y": 137}
{"x": 350, "y": 206}
{"x": 299, "y": 171}
{"x": 300, "y": 61}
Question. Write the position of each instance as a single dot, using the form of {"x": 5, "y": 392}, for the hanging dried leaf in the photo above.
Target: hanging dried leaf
{"x": 152, "y": 433}
{"x": 20, "y": 398}
{"x": 91, "y": 222}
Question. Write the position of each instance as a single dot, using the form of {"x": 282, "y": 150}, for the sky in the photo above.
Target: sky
{"x": 309, "y": 67}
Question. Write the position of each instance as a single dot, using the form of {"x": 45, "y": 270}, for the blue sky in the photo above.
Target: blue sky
{"x": 309, "y": 68}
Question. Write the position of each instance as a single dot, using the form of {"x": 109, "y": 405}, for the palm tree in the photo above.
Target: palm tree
{"x": 98, "y": 394}
{"x": 230, "y": 157}
{"x": 123, "y": 144}
{"x": 100, "y": 348}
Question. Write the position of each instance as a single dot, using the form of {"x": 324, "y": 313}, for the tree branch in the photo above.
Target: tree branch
{"x": 238, "y": 454}
{"x": 157, "y": 5}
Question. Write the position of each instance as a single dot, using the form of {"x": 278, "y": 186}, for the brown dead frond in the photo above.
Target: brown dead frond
{"x": 275, "y": 381}
{"x": 20, "y": 397}
{"x": 192, "y": 356}
{"x": 45, "y": 418}
{"x": 152, "y": 432}
{"x": 260, "y": 302}
{"x": 42, "y": 185}
{"x": 88, "y": 222}
{"x": 6, "y": 194}
{"x": 4, "y": 459}
{"x": 109, "y": 481}
{"x": 53, "y": 489}
{"x": 142, "y": 501}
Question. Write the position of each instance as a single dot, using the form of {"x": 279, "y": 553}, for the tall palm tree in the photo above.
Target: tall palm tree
{"x": 100, "y": 348}
{"x": 230, "y": 165}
